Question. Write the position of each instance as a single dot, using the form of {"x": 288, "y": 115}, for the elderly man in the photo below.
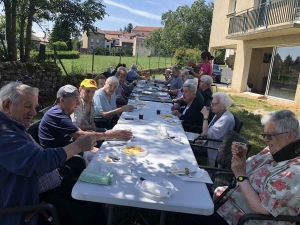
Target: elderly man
{"x": 123, "y": 89}
{"x": 57, "y": 129}
{"x": 133, "y": 75}
{"x": 191, "y": 112}
{"x": 175, "y": 82}
{"x": 105, "y": 101}
{"x": 26, "y": 169}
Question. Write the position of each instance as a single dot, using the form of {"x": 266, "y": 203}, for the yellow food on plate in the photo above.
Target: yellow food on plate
{"x": 166, "y": 116}
{"x": 141, "y": 105}
{"x": 133, "y": 150}
{"x": 108, "y": 159}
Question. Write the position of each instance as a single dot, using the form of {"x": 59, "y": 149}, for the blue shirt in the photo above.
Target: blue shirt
{"x": 175, "y": 82}
{"x": 132, "y": 75}
{"x": 101, "y": 102}
{"x": 22, "y": 162}
{"x": 55, "y": 128}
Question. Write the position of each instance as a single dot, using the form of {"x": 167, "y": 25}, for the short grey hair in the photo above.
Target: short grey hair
{"x": 14, "y": 92}
{"x": 207, "y": 80}
{"x": 185, "y": 72}
{"x": 112, "y": 79}
{"x": 168, "y": 70}
{"x": 285, "y": 121}
{"x": 223, "y": 98}
{"x": 133, "y": 66}
{"x": 192, "y": 87}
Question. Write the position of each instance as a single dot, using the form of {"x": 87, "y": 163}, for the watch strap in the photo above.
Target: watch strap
{"x": 241, "y": 178}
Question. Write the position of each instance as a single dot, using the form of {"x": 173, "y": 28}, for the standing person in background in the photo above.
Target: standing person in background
{"x": 205, "y": 67}
{"x": 100, "y": 80}
{"x": 132, "y": 75}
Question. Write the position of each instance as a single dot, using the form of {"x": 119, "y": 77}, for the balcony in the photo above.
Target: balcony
{"x": 265, "y": 20}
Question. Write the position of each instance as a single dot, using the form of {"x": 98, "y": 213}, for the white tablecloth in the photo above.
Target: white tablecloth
{"x": 190, "y": 197}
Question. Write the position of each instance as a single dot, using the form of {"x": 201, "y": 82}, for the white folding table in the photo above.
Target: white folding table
{"x": 190, "y": 197}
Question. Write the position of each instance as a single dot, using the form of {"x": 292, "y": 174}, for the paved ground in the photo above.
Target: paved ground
{"x": 226, "y": 73}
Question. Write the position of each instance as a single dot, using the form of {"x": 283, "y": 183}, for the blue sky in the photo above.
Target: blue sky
{"x": 137, "y": 12}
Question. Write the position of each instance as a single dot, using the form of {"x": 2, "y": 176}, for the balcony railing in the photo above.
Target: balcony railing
{"x": 265, "y": 15}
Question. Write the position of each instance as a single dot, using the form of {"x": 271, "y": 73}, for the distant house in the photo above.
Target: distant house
{"x": 93, "y": 40}
{"x": 139, "y": 47}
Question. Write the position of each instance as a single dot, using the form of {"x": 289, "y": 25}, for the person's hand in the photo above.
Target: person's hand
{"x": 242, "y": 152}
{"x": 86, "y": 142}
{"x": 174, "y": 107}
{"x": 127, "y": 108}
{"x": 118, "y": 96}
{"x": 189, "y": 68}
{"x": 94, "y": 150}
{"x": 164, "y": 90}
{"x": 199, "y": 141}
{"x": 120, "y": 134}
{"x": 175, "y": 113}
{"x": 134, "y": 82}
{"x": 238, "y": 166}
{"x": 205, "y": 112}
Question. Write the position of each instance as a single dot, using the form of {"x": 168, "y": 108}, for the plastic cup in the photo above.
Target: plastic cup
{"x": 241, "y": 147}
{"x": 141, "y": 116}
{"x": 158, "y": 111}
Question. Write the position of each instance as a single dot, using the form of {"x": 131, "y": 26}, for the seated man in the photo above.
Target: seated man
{"x": 190, "y": 114}
{"x": 175, "y": 82}
{"x": 205, "y": 86}
{"x": 100, "y": 80}
{"x": 123, "y": 89}
{"x": 26, "y": 169}
{"x": 132, "y": 75}
{"x": 105, "y": 101}
{"x": 56, "y": 128}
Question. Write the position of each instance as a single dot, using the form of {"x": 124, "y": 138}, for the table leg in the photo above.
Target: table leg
{"x": 110, "y": 214}
{"x": 162, "y": 217}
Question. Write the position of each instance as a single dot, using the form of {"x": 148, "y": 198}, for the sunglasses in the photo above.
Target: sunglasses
{"x": 269, "y": 136}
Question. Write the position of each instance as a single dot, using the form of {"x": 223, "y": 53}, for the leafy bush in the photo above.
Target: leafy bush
{"x": 128, "y": 51}
{"x": 60, "y": 46}
{"x": 116, "y": 51}
{"x": 220, "y": 56}
{"x": 183, "y": 55}
{"x": 61, "y": 55}
{"x": 101, "y": 51}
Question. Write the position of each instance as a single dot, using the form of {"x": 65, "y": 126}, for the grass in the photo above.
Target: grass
{"x": 101, "y": 63}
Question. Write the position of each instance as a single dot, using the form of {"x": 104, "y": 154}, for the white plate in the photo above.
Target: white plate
{"x": 147, "y": 92}
{"x": 173, "y": 121}
{"x": 165, "y": 183}
{"x": 139, "y": 90}
{"x": 142, "y": 154}
{"x": 162, "y": 93}
{"x": 180, "y": 167}
{"x": 191, "y": 136}
{"x": 116, "y": 142}
{"x": 135, "y": 95}
{"x": 140, "y": 85}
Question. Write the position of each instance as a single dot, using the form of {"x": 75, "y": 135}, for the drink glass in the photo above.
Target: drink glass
{"x": 158, "y": 111}
{"x": 141, "y": 116}
{"x": 241, "y": 147}
{"x": 162, "y": 100}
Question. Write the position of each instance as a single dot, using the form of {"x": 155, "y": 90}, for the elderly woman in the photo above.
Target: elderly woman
{"x": 105, "y": 101}
{"x": 205, "y": 87}
{"x": 218, "y": 127}
{"x": 132, "y": 75}
{"x": 268, "y": 183}
{"x": 190, "y": 113}
{"x": 100, "y": 80}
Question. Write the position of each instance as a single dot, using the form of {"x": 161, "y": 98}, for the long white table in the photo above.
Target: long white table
{"x": 191, "y": 197}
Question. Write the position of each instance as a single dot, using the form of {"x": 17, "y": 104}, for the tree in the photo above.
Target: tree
{"x": 187, "y": 27}
{"x": 125, "y": 29}
{"x": 155, "y": 40}
{"x": 128, "y": 28}
{"x": 77, "y": 16}
{"x": 60, "y": 32}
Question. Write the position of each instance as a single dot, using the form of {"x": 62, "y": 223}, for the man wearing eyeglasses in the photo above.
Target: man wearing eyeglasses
{"x": 268, "y": 183}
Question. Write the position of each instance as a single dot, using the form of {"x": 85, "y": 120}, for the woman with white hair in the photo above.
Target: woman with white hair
{"x": 205, "y": 86}
{"x": 190, "y": 113}
{"x": 105, "y": 101}
{"x": 218, "y": 127}
{"x": 132, "y": 75}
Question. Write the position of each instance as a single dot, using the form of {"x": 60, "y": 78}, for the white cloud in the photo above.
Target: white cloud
{"x": 153, "y": 2}
{"x": 120, "y": 20}
{"x": 134, "y": 11}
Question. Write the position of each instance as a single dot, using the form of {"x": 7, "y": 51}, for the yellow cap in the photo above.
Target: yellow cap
{"x": 88, "y": 83}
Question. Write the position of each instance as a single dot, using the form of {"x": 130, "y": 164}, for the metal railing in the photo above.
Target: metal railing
{"x": 264, "y": 15}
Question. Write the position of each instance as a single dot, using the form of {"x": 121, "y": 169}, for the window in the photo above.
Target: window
{"x": 232, "y": 6}
{"x": 142, "y": 34}
{"x": 92, "y": 40}
{"x": 97, "y": 41}
{"x": 107, "y": 46}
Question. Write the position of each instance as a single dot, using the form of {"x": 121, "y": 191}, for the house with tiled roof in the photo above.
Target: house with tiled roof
{"x": 93, "y": 40}
{"x": 143, "y": 31}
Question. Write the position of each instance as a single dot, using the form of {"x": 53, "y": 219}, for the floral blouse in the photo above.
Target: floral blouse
{"x": 277, "y": 184}
{"x": 81, "y": 116}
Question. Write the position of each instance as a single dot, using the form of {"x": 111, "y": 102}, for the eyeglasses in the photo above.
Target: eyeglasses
{"x": 269, "y": 136}
{"x": 214, "y": 103}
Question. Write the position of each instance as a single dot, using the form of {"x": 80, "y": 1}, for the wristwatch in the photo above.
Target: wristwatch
{"x": 241, "y": 178}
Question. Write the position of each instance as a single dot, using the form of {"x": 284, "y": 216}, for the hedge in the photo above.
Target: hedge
{"x": 61, "y": 55}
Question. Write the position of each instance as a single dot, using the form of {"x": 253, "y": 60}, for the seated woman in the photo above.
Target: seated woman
{"x": 100, "y": 80}
{"x": 123, "y": 89}
{"x": 105, "y": 101}
{"x": 222, "y": 122}
{"x": 168, "y": 74}
{"x": 268, "y": 183}
{"x": 190, "y": 113}
{"x": 205, "y": 87}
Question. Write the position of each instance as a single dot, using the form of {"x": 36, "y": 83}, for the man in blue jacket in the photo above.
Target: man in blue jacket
{"x": 26, "y": 169}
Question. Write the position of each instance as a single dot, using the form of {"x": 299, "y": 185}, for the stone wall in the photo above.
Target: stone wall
{"x": 47, "y": 76}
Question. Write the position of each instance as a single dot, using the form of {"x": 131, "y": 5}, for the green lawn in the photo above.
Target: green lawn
{"x": 101, "y": 63}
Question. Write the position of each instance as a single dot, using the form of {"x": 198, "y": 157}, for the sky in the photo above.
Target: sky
{"x": 137, "y": 12}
